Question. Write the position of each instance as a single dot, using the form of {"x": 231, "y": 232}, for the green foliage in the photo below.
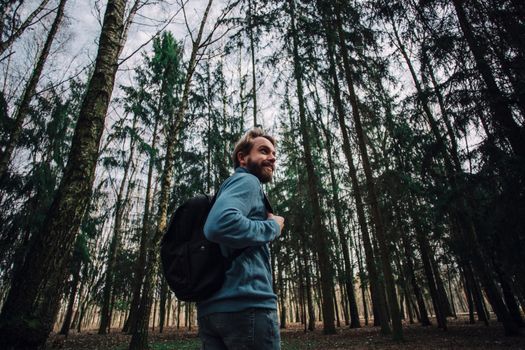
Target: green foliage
{"x": 155, "y": 93}
{"x": 124, "y": 276}
{"x": 45, "y": 142}
{"x": 5, "y": 121}
{"x": 218, "y": 128}
{"x": 10, "y": 18}
{"x": 300, "y": 344}
{"x": 81, "y": 250}
{"x": 186, "y": 344}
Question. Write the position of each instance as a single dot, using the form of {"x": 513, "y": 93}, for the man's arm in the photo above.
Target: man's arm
{"x": 228, "y": 221}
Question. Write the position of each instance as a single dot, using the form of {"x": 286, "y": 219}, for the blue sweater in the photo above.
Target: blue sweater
{"x": 238, "y": 220}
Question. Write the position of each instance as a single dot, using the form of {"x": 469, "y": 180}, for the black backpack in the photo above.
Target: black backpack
{"x": 193, "y": 266}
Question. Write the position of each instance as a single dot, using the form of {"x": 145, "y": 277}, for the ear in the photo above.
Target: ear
{"x": 241, "y": 158}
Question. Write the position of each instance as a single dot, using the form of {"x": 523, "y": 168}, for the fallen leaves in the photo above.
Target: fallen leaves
{"x": 459, "y": 335}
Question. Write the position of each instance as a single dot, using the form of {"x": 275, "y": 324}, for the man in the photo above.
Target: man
{"x": 243, "y": 313}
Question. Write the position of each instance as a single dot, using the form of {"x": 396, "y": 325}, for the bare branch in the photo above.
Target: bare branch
{"x": 170, "y": 20}
{"x": 27, "y": 23}
{"x": 186, "y": 23}
{"x": 211, "y": 42}
{"x": 7, "y": 56}
{"x": 98, "y": 11}
{"x": 65, "y": 80}
{"x": 209, "y": 38}
{"x": 127, "y": 24}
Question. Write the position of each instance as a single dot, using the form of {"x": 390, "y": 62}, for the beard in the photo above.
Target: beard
{"x": 261, "y": 170}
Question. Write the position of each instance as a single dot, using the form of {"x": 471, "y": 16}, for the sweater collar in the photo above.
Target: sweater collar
{"x": 241, "y": 169}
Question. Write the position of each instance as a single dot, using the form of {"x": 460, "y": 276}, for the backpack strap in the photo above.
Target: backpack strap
{"x": 267, "y": 203}
{"x": 213, "y": 199}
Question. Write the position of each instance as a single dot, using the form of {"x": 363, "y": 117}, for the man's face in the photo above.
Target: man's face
{"x": 261, "y": 159}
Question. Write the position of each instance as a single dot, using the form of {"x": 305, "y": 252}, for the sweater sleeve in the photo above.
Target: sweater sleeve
{"x": 228, "y": 222}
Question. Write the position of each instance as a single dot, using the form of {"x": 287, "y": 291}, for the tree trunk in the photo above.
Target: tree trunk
{"x": 376, "y": 288}
{"x": 422, "y": 96}
{"x": 425, "y": 252}
{"x": 385, "y": 254}
{"x": 64, "y": 330}
{"x": 513, "y": 35}
{"x": 348, "y": 274}
{"x": 423, "y": 315}
{"x": 129, "y": 324}
{"x": 146, "y": 229}
{"x": 477, "y": 296}
{"x": 446, "y": 118}
{"x": 362, "y": 282}
{"x": 23, "y": 322}
{"x": 162, "y": 303}
{"x": 510, "y": 301}
{"x": 282, "y": 292}
{"x": 252, "y": 53}
{"x": 344, "y": 299}
{"x": 114, "y": 246}
{"x": 283, "y": 309}
{"x": 310, "y": 323}
{"x": 441, "y": 288}
{"x": 470, "y": 302}
{"x": 139, "y": 339}
{"x": 76, "y": 315}
{"x": 504, "y": 123}
{"x": 485, "y": 274}
{"x": 299, "y": 292}
{"x": 336, "y": 309}
{"x": 318, "y": 231}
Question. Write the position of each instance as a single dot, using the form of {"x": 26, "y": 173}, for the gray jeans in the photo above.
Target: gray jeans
{"x": 251, "y": 329}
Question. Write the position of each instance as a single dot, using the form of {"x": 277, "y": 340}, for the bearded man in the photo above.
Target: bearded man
{"x": 243, "y": 313}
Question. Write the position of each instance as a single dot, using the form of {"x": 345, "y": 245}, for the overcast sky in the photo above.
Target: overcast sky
{"x": 79, "y": 36}
{"x": 85, "y": 27}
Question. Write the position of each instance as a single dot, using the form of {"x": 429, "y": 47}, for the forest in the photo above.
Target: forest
{"x": 400, "y": 128}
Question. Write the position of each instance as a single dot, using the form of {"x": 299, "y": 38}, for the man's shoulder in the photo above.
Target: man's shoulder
{"x": 242, "y": 178}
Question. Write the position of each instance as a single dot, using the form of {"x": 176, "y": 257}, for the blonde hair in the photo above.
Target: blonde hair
{"x": 245, "y": 144}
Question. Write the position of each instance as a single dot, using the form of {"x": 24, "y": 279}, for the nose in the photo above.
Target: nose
{"x": 271, "y": 157}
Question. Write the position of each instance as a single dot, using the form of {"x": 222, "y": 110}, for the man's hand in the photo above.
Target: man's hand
{"x": 278, "y": 219}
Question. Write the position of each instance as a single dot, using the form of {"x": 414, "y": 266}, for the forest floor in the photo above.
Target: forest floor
{"x": 460, "y": 335}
